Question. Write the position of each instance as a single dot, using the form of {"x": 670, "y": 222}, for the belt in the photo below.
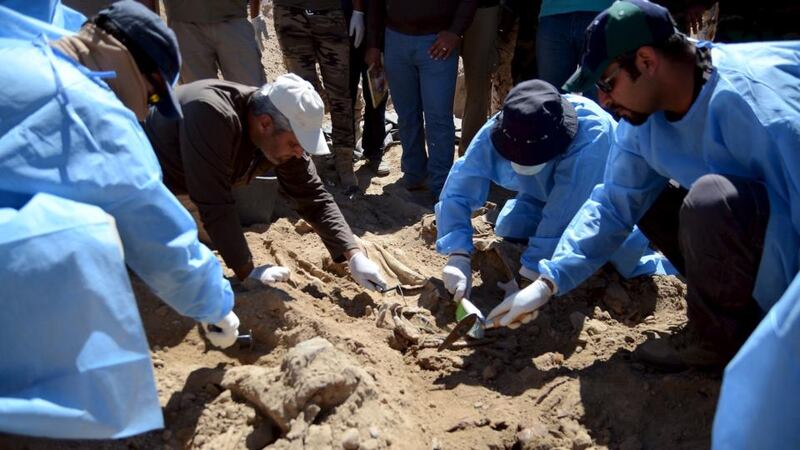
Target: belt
{"x": 309, "y": 12}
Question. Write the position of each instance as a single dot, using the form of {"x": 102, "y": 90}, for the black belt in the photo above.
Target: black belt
{"x": 310, "y": 12}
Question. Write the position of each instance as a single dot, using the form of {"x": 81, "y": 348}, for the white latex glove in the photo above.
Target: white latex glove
{"x": 526, "y": 301}
{"x": 268, "y": 274}
{"x": 509, "y": 287}
{"x": 457, "y": 276}
{"x": 226, "y": 331}
{"x": 357, "y": 27}
{"x": 528, "y": 273}
{"x": 365, "y": 272}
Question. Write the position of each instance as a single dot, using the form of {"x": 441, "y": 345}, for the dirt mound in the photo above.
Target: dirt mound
{"x": 314, "y": 382}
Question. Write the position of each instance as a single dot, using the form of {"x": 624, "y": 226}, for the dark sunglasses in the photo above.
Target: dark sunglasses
{"x": 605, "y": 83}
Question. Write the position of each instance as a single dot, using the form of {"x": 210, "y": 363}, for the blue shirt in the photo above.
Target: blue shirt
{"x": 745, "y": 122}
{"x": 545, "y": 203}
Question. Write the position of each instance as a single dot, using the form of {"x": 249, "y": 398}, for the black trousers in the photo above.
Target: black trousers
{"x": 714, "y": 235}
{"x": 374, "y": 115}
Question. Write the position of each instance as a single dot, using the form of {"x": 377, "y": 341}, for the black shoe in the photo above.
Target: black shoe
{"x": 379, "y": 166}
{"x": 679, "y": 351}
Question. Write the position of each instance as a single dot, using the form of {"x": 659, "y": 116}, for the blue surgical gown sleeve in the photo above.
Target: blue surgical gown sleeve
{"x": 68, "y": 19}
{"x": 67, "y": 134}
{"x": 74, "y": 358}
{"x": 574, "y": 177}
{"x": 519, "y": 217}
{"x": 464, "y": 191}
{"x": 759, "y": 402}
{"x": 606, "y": 219}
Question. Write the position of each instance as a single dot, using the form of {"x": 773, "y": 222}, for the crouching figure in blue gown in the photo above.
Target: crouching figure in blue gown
{"x": 549, "y": 148}
{"x": 81, "y": 198}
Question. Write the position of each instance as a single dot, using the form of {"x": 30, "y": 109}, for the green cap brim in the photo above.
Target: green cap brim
{"x": 583, "y": 80}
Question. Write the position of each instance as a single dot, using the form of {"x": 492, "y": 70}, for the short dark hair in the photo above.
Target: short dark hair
{"x": 676, "y": 48}
{"x": 260, "y": 104}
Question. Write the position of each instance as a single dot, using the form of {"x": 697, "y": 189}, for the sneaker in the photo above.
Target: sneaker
{"x": 379, "y": 166}
{"x": 678, "y": 352}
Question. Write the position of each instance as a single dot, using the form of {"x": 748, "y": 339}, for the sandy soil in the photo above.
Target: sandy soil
{"x": 336, "y": 367}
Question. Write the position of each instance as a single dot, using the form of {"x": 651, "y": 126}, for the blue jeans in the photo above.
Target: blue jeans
{"x": 559, "y": 46}
{"x": 421, "y": 86}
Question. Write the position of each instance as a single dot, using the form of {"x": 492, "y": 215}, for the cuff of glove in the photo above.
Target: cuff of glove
{"x": 549, "y": 283}
{"x": 528, "y": 274}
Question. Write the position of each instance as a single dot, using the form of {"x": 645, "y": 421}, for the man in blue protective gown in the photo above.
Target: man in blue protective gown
{"x": 759, "y": 403}
{"x": 81, "y": 189}
{"x": 549, "y": 148}
{"x": 706, "y": 162}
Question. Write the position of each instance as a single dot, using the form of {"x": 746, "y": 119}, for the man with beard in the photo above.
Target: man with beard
{"x": 706, "y": 162}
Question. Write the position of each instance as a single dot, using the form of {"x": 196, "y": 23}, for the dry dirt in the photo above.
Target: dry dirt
{"x": 336, "y": 367}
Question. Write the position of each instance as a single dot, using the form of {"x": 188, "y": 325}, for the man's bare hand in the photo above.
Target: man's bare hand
{"x": 446, "y": 42}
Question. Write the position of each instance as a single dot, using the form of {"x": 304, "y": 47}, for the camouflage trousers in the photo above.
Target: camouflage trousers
{"x": 502, "y": 79}
{"x": 308, "y": 39}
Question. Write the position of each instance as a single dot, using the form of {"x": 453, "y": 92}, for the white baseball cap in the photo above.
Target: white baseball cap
{"x": 296, "y": 99}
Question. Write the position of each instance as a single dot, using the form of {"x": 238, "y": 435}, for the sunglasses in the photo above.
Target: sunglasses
{"x": 158, "y": 85}
{"x": 605, "y": 84}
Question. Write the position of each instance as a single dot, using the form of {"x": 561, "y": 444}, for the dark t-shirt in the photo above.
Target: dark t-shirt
{"x": 209, "y": 151}
{"x": 418, "y": 17}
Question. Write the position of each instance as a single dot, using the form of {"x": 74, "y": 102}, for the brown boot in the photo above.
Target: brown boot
{"x": 343, "y": 160}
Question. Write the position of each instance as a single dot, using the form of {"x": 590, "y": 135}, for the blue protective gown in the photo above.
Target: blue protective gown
{"x": 49, "y": 11}
{"x": 545, "y": 203}
{"x": 63, "y": 132}
{"x": 74, "y": 359}
{"x": 745, "y": 122}
{"x": 759, "y": 404}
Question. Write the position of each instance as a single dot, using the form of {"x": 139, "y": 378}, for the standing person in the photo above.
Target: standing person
{"x": 215, "y": 35}
{"x": 420, "y": 40}
{"x": 560, "y": 36}
{"x": 479, "y": 53}
{"x": 231, "y": 133}
{"x": 315, "y": 32}
{"x": 720, "y": 120}
{"x": 374, "y": 131}
{"x": 81, "y": 198}
{"x": 549, "y": 148}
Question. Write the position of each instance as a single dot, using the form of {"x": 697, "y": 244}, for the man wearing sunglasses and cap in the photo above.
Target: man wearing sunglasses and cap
{"x": 549, "y": 148}
{"x": 230, "y": 133}
{"x": 706, "y": 162}
{"x": 81, "y": 202}
{"x": 133, "y": 42}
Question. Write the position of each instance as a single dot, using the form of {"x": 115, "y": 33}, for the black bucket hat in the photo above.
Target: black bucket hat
{"x": 535, "y": 125}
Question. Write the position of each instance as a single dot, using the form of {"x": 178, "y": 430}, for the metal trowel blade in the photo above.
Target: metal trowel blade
{"x": 460, "y": 330}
